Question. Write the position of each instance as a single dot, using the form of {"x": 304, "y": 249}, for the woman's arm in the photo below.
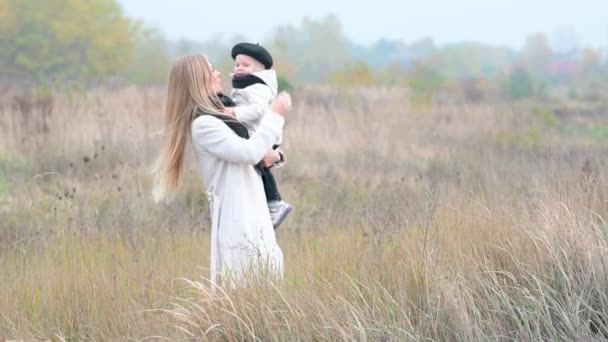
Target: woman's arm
{"x": 215, "y": 137}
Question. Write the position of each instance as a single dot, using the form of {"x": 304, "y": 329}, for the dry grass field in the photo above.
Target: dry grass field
{"x": 446, "y": 222}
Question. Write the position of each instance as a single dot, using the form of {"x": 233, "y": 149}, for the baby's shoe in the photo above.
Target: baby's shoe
{"x": 278, "y": 211}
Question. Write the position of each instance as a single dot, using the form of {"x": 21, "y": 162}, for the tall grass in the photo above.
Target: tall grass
{"x": 460, "y": 222}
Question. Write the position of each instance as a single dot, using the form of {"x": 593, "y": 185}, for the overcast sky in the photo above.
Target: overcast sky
{"x": 499, "y": 22}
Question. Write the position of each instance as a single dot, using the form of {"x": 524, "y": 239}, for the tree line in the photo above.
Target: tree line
{"x": 74, "y": 42}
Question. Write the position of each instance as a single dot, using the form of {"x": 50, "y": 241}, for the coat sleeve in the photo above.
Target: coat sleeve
{"x": 213, "y": 136}
{"x": 259, "y": 97}
{"x": 283, "y": 159}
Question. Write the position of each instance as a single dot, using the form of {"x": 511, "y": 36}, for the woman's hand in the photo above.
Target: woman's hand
{"x": 271, "y": 158}
{"x": 281, "y": 104}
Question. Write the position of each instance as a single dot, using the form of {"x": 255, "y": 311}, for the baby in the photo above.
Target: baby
{"x": 254, "y": 85}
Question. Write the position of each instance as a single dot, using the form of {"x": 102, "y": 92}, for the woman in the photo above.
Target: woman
{"x": 242, "y": 236}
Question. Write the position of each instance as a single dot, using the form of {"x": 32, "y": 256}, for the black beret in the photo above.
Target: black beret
{"x": 255, "y": 51}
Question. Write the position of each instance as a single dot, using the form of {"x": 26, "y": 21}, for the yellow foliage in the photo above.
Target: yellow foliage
{"x": 359, "y": 74}
{"x": 7, "y": 16}
{"x": 44, "y": 39}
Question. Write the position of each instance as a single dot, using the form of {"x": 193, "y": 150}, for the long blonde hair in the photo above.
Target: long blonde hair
{"x": 190, "y": 89}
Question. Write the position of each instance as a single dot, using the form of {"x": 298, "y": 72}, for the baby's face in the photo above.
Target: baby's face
{"x": 244, "y": 65}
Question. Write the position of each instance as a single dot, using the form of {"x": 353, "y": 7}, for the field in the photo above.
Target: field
{"x": 450, "y": 222}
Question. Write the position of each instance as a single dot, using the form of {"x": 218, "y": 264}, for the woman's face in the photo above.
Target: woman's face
{"x": 216, "y": 79}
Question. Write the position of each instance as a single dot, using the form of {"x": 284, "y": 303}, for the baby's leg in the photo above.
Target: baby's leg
{"x": 270, "y": 185}
{"x": 278, "y": 208}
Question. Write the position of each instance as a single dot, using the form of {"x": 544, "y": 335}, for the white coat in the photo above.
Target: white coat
{"x": 242, "y": 235}
{"x": 253, "y": 101}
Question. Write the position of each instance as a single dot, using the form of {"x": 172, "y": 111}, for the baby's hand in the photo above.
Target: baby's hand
{"x": 281, "y": 104}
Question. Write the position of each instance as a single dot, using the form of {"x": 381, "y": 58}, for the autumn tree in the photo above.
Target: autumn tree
{"x": 151, "y": 60}
{"x": 519, "y": 84}
{"x": 425, "y": 81}
{"x": 48, "y": 40}
{"x": 356, "y": 74}
{"x": 537, "y": 54}
{"x": 313, "y": 50}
